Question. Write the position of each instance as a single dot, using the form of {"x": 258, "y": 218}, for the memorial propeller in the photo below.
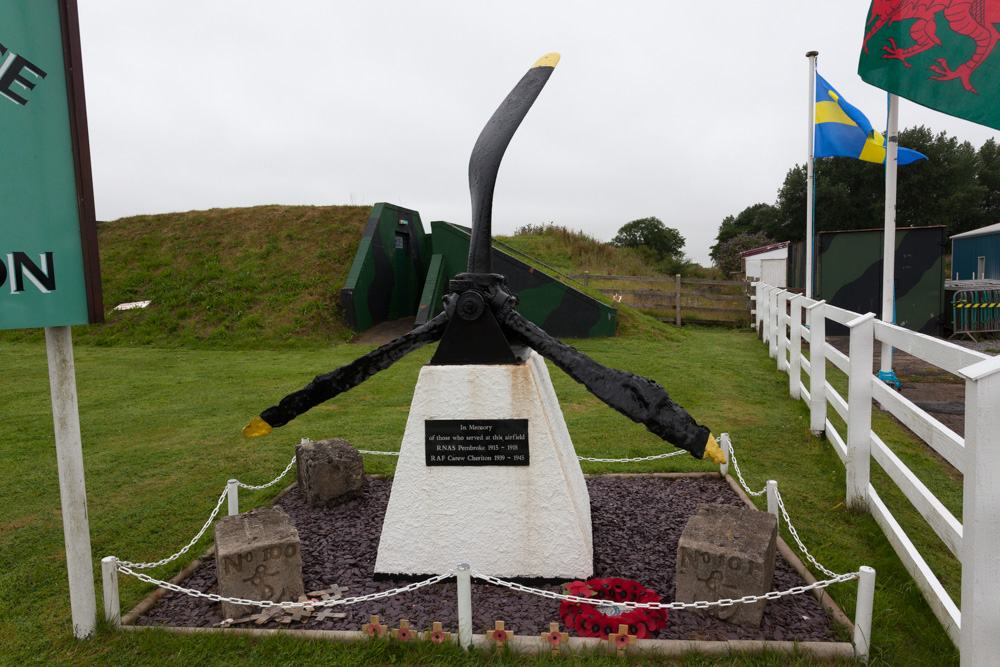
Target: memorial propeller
{"x": 480, "y": 326}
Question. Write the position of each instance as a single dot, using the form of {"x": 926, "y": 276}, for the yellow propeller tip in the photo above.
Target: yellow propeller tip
{"x": 548, "y": 60}
{"x": 713, "y": 451}
{"x": 257, "y": 427}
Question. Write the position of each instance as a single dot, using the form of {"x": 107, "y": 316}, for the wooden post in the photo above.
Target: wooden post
{"x": 772, "y": 500}
{"x": 783, "y": 330}
{"x": 764, "y": 310}
{"x": 817, "y": 367}
{"x": 72, "y": 487}
{"x": 795, "y": 347}
{"x": 774, "y": 314}
{"x": 980, "y": 641}
{"x": 586, "y": 278}
{"x": 677, "y": 299}
{"x": 112, "y": 606}
{"x": 863, "y": 613}
{"x": 859, "y": 409}
{"x": 464, "y": 583}
{"x": 233, "y": 491}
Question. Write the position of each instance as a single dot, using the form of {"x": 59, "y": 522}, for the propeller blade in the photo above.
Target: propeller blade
{"x": 326, "y": 386}
{"x": 638, "y": 398}
{"x": 488, "y": 151}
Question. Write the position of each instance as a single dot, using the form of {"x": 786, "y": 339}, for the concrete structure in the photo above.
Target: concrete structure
{"x": 330, "y": 472}
{"x": 510, "y": 521}
{"x": 257, "y": 557}
{"x": 727, "y": 552}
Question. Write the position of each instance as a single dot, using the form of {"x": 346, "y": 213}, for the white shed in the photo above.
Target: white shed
{"x": 768, "y": 263}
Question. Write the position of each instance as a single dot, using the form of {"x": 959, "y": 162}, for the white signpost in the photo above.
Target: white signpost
{"x": 49, "y": 268}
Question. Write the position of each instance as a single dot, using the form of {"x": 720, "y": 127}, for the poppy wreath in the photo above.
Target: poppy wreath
{"x": 588, "y": 621}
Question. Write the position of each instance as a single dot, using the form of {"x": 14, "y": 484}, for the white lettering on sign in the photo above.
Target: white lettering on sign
{"x": 13, "y": 72}
{"x": 19, "y": 266}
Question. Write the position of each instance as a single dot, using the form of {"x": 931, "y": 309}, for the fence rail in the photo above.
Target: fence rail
{"x": 785, "y": 320}
{"x": 699, "y": 298}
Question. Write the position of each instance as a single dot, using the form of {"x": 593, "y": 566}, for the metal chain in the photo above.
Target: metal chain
{"x": 125, "y": 569}
{"x": 784, "y": 513}
{"x": 634, "y": 460}
{"x": 211, "y": 518}
{"x": 736, "y": 466}
{"x": 724, "y": 602}
{"x": 795, "y": 534}
{"x": 272, "y": 482}
{"x": 365, "y": 451}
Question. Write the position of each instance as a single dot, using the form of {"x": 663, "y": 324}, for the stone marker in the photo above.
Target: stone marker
{"x": 727, "y": 552}
{"x": 257, "y": 557}
{"x": 330, "y": 472}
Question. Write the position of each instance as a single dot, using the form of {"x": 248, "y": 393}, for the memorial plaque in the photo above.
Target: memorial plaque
{"x": 476, "y": 442}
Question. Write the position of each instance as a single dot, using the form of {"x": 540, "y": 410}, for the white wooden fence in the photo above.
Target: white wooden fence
{"x": 975, "y": 541}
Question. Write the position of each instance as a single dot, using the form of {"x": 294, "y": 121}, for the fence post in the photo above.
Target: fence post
{"x": 586, "y": 278}
{"x": 726, "y": 448}
{"x": 775, "y": 317}
{"x": 464, "y": 584}
{"x": 234, "y": 497}
{"x": 859, "y": 409}
{"x": 112, "y": 606}
{"x": 772, "y": 500}
{"x": 764, "y": 310}
{"x": 795, "y": 350}
{"x": 980, "y": 641}
{"x": 863, "y": 613}
{"x": 677, "y": 298}
{"x": 817, "y": 367}
{"x": 783, "y": 330}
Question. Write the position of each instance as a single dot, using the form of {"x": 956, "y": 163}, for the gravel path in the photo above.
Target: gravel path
{"x": 637, "y": 523}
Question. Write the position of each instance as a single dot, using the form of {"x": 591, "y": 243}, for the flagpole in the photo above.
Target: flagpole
{"x": 889, "y": 240}
{"x": 810, "y": 175}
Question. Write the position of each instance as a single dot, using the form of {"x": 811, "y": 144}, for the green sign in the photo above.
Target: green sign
{"x": 49, "y": 270}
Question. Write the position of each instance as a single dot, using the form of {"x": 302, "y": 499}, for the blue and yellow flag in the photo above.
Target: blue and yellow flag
{"x": 843, "y": 130}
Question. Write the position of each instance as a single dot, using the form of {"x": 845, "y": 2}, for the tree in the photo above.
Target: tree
{"x": 727, "y": 257}
{"x": 649, "y": 233}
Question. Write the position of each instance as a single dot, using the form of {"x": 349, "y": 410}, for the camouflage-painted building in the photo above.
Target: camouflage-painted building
{"x": 399, "y": 271}
{"x": 849, "y": 274}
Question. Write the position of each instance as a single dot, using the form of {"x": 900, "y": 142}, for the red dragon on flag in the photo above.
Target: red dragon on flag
{"x": 935, "y": 35}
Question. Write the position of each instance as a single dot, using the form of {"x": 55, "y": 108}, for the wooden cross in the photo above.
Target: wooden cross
{"x": 328, "y": 612}
{"x": 621, "y": 639}
{"x": 498, "y": 635}
{"x": 335, "y": 592}
{"x": 554, "y": 637}
{"x": 403, "y": 632}
{"x": 297, "y": 614}
{"x": 373, "y": 629}
{"x": 437, "y": 635}
{"x": 267, "y": 614}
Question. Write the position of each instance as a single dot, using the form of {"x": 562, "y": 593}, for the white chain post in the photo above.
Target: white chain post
{"x": 112, "y": 605}
{"x": 727, "y": 448}
{"x": 464, "y": 582}
{"x": 817, "y": 368}
{"x": 863, "y": 613}
{"x": 859, "y": 409}
{"x": 772, "y": 500}
{"x": 233, "y": 490}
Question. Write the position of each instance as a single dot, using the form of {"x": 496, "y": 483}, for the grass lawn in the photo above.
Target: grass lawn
{"x": 161, "y": 432}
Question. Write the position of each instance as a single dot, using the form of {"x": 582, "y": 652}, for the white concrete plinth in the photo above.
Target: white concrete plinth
{"x": 505, "y": 521}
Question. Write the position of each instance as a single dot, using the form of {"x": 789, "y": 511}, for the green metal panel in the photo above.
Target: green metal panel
{"x": 49, "y": 274}
{"x": 554, "y": 306}
{"x": 434, "y": 290}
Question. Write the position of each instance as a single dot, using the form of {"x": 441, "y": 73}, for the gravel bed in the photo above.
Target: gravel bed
{"x": 637, "y": 522}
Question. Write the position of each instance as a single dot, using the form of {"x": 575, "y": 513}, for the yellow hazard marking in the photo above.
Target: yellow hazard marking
{"x": 713, "y": 451}
{"x": 548, "y": 60}
{"x": 257, "y": 427}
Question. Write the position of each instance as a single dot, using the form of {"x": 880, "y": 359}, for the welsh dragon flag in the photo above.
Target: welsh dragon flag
{"x": 938, "y": 53}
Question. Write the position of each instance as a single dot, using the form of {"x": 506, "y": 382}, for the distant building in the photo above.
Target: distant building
{"x": 768, "y": 263}
{"x": 975, "y": 255}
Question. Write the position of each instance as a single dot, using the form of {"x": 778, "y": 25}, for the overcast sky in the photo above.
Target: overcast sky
{"x": 687, "y": 111}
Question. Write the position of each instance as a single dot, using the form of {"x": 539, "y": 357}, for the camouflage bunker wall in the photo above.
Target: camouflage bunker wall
{"x": 849, "y": 275}
{"x": 395, "y": 257}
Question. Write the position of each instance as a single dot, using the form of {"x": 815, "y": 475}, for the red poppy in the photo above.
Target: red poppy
{"x": 554, "y": 638}
{"x": 403, "y": 635}
{"x": 590, "y": 621}
{"x": 437, "y": 637}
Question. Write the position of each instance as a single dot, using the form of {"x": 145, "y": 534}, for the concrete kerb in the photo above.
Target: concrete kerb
{"x": 532, "y": 645}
